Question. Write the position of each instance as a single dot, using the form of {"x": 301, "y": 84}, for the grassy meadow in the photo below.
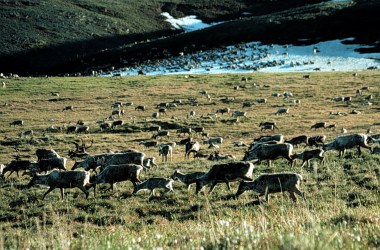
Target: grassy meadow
{"x": 341, "y": 210}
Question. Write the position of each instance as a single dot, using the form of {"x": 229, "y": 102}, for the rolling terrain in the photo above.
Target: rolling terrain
{"x": 80, "y": 36}
{"x": 341, "y": 209}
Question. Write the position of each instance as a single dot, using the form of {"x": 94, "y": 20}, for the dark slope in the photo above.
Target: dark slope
{"x": 284, "y": 24}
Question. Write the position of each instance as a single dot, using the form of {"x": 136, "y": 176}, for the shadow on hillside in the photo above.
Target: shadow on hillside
{"x": 306, "y": 25}
{"x": 72, "y": 56}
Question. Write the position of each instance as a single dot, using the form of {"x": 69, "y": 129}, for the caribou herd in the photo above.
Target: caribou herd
{"x": 127, "y": 165}
{"x": 51, "y": 169}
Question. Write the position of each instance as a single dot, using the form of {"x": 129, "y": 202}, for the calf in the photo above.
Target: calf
{"x": 187, "y": 179}
{"x": 71, "y": 129}
{"x": 331, "y": 126}
{"x": 2, "y": 166}
{"x": 117, "y": 173}
{"x": 267, "y": 127}
{"x": 247, "y": 104}
{"x": 118, "y": 112}
{"x": 261, "y": 100}
{"x": 273, "y": 183}
{"x": 116, "y": 105}
{"x": 161, "y": 133}
{"x": 153, "y": 128}
{"x": 26, "y": 133}
{"x": 239, "y": 113}
{"x": 127, "y": 104}
{"x": 214, "y": 140}
{"x": 185, "y": 141}
{"x": 200, "y": 155}
{"x": 140, "y": 108}
{"x": 162, "y": 111}
{"x": 162, "y": 105}
{"x": 199, "y": 130}
{"x": 191, "y": 113}
{"x": 104, "y": 126}
{"x": 153, "y": 183}
{"x": 319, "y": 125}
{"x": 149, "y": 144}
{"x": 117, "y": 123}
{"x": 16, "y": 123}
{"x": 62, "y": 180}
{"x": 192, "y": 147}
{"x": 307, "y": 155}
{"x": 165, "y": 150}
{"x": 263, "y": 124}
{"x": 224, "y": 173}
{"x": 82, "y": 129}
{"x": 68, "y": 108}
{"x": 218, "y": 156}
{"x": 376, "y": 150}
{"x": 150, "y": 162}
{"x": 184, "y": 131}
{"x": 155, "y": 114}
{"x": 223, "y": 111}
{"x": 282, "y": 111}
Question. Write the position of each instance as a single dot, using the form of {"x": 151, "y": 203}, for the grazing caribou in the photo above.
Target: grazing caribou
{"x": 128, "y": 157}
{"x": 117, "y": 173}
{"x": 319, "y": 125}
{"x": 161, "y": 133}
{"x": 342, "y": 143}
{"x": 295, "y": 141}
{"x": 16, "y": 123}
{"x": 317, "y": 141}
{"x": 269, "y": 152}
{"x": 45, "y": 153}
{"x": 45, "y": 165}
{"x": 273, "y": 183}
{"x": 16, "y": 166}
{"x": 192, "y": 147}
{"x": 148, "y": 144}
{"x": 165, "y": 151}
{"x": 153, "y": 183}
{"x": 307, "y": 155}
{"x": 62, "y": 180}
{"x": 281, "y": 111}
{"x": 187, "y": 179}
{"x": 224, "y": 173}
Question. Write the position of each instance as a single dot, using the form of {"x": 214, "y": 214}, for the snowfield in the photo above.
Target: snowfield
{"x": 256, "y": 57}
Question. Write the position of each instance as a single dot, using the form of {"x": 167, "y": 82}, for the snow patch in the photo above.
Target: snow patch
{"x": 187, "y": 23}
{"x": 254, "y": 56}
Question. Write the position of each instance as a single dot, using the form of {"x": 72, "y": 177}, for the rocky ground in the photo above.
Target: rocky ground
{"x": 98, "y": 36}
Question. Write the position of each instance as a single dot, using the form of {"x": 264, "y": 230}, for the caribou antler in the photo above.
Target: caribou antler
{"x": 84, "y": 144}
{"x": 80, "y": 149}
{"x": 17, "y": 156}
{"x": 76, "y": 146}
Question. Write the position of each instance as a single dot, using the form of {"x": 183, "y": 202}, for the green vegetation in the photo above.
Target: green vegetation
{"x": 342, "y": 198}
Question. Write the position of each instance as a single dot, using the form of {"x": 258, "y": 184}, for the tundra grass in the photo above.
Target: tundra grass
{"x": 341, "y": 209}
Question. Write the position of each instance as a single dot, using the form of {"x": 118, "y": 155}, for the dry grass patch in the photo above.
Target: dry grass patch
{"x": 341, "y": 208}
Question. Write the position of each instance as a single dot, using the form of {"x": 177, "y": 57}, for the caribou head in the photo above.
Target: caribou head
{"x": 80, "y": 149}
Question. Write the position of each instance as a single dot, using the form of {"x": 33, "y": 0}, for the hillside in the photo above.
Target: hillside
{"x": 341, "y": 210}
{"x": 77, "y": 36}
